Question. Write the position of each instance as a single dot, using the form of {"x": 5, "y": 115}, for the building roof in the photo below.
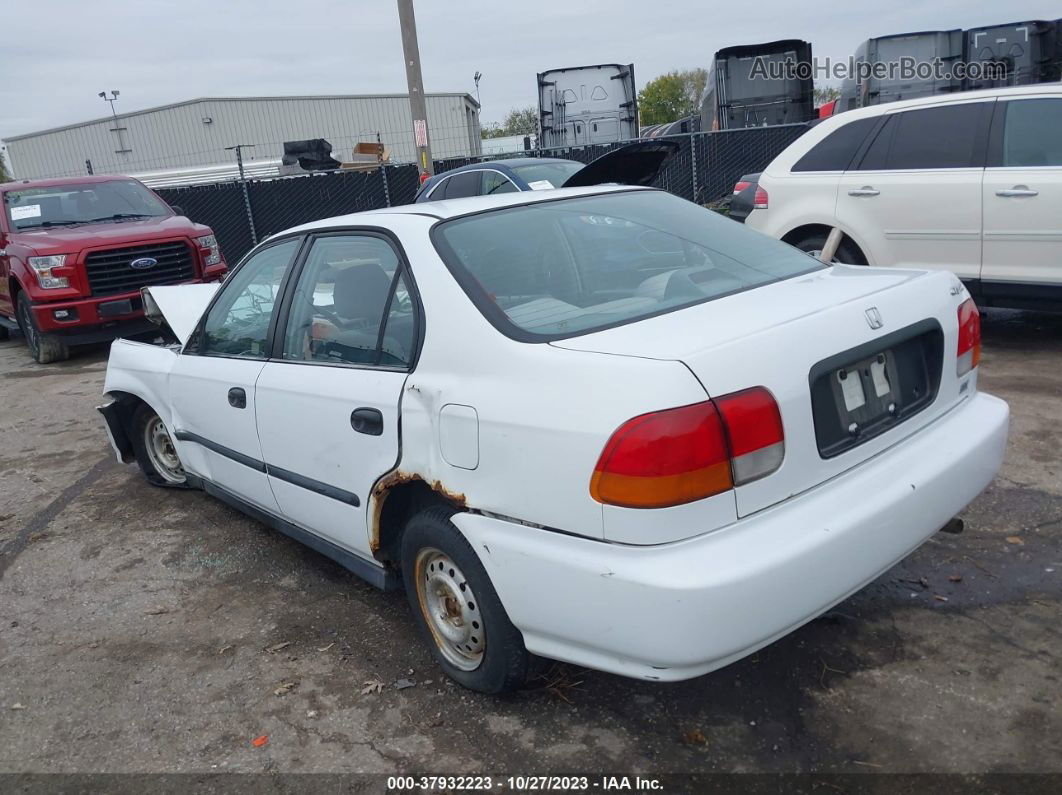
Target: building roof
{"x": 145, "y": 111}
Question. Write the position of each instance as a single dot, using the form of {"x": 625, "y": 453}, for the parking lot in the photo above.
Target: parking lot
{"x": 148, "y": 630}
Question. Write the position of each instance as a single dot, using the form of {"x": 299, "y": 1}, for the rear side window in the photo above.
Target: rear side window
{"x": 1031, "y": 133}
{"x": 934, "y": 138}
{"x": 459, "y": 186}
{"x": 836, "y": 150}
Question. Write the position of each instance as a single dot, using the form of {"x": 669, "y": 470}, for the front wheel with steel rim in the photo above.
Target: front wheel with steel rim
{"x": 45, "y": 348}
{"x": 457, "y": 609}
{"x": 155, "y": 452}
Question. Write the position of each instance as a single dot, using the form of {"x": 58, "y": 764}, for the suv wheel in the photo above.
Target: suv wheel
{"x": 847, "y": 253}
{"x": 155, "y": 451}
{"x": 45, "y": 348}
{"x": 457, "y": 609}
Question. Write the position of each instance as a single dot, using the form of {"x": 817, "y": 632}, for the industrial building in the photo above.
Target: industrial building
{"x": 198, "y": 133}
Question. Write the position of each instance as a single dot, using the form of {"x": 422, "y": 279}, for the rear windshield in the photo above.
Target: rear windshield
{"x": 556, "y": 174}
{"x": 561, "y": 268}
{"x": 84, "y": 203}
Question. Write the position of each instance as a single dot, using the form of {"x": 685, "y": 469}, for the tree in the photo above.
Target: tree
{"x": 519, "y": 121}
{"x": 824, "y": 94}
{"x": 5, "y": 175}
{"x": 673, "y": 96}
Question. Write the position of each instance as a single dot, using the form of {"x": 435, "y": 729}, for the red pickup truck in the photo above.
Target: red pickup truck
{"x": 75, "y": 252}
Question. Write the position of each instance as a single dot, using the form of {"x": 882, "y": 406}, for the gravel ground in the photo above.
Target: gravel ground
{"x": 144, "y": 630}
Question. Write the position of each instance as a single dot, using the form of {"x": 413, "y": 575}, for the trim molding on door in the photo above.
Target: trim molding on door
{"x": 316, "y": 486}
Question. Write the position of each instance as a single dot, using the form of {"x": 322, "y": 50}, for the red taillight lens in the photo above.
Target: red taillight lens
{"x": 969, "y": 350}
{"x": 665, "y": 458}
{"x": 759, "y": 201}
{"x": 740, "y": 186}
{"x": 757, "y": 440}
{"x": 692, "y": 452}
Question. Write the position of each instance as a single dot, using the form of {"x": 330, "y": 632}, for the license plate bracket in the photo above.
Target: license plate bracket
{"x": 885, "y": 382}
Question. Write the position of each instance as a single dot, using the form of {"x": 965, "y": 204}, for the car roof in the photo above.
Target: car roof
{"x": 944, "y": 99}
{"x": 509, "y": 162}
{"x": 25, "y": 184}
{"x": 451, "y": 208}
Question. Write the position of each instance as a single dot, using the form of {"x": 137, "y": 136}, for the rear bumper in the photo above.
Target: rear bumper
{"x": 679, "y": 610}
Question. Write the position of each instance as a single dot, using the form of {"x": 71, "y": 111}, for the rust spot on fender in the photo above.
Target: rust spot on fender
{"x": 398, "y": 478}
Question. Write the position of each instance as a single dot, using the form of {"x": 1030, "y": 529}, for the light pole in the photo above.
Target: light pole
{"x": 476, "y": 78}
{"x": 121, "y": 150}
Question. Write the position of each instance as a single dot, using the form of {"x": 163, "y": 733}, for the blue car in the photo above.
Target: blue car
{"x": 635, "y": 164}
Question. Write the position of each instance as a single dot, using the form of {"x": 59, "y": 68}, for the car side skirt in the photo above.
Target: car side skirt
{"x": 372, "y": 573}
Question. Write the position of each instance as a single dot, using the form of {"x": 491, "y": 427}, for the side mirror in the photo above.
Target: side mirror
{"x": 177, "y": 209}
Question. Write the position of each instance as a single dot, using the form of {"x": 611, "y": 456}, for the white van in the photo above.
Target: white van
{"x": 970, "y": 183}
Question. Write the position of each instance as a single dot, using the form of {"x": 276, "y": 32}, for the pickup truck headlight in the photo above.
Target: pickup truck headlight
{"x": 42, "y": 267}
{"x": 210, "y": 251}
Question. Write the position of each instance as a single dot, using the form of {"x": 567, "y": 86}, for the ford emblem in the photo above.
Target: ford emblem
{"x": 143, "y": 263}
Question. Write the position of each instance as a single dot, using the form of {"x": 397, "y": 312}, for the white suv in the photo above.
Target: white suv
{"x": 970, "y": 183}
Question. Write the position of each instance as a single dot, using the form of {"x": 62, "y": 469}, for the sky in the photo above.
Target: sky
{"x": 57, "y": 55}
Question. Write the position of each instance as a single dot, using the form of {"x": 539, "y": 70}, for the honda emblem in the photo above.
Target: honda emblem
{"x": 874, "y": 318}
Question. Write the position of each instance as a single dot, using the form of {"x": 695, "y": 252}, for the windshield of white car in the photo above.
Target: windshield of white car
{"x": 557, "y": 269}
{"x": 556, "y": 174}
{"x": 81, "y": 203}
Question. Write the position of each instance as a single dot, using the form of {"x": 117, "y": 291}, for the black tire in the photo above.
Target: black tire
{"x": 150, "y": 464}
{"x": 847, "y": 252}
{"x": 4, "y": 334}
{"x": 504, "y": 663}
{"x": 45, "y": 348}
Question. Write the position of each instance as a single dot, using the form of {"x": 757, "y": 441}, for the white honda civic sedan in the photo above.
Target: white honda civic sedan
{"x": 600, "y": 425}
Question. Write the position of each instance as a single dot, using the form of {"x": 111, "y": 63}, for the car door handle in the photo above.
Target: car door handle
{"x": 866, "y": 190}
{"x": 1017, "y": 190}
{"x": 367, "y": 421}
{"x": 237, "y": 398}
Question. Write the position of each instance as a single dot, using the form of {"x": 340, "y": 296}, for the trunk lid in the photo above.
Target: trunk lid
{"x": 178, "y": 307}
{"x": 634, "y": 164}
{"x": 787, "y": 335}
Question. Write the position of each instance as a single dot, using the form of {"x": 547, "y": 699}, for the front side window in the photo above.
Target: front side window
{"x": 351, "y": 305}
{"x": 1032, "y": 133}
{"x": 238, "y": 322}
{"x": 559, "y": 268}
{"x": 494, "y": 182}
{"x": 81, "y": 203}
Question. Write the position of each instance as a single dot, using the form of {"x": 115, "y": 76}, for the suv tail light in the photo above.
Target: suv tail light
{"x": 759, "y": 201}
{"x": 740, "y": 185}
{"x": 688, "y": 453}
{"x": 969, "y": 349}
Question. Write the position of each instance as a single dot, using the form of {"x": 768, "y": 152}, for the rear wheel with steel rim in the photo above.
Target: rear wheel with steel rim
{"x": 154, "y": 448}
{"x": 457, "y": 609}
{"x": 847, "y": 253}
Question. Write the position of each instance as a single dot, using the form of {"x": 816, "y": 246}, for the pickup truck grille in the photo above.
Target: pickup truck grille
{"x": 110, "y": 272}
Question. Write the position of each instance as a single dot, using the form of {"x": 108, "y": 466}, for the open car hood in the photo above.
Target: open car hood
{"x": 634, "y": 164}
{"x": 178, "y": 307}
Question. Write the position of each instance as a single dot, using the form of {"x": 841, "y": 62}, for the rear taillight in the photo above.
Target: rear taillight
{"x": 740, "y": 185}
{"x": 969, "y": 349}
{"x": 754, "y": 427}
{"x": 680, "y": 455}
{"x": 759, "y": 201}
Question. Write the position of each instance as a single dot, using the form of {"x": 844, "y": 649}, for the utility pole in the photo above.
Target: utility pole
{"x": 118, "y": 128}
{"x": 417, "y": 104}
{"x": 239, "y": 154}
{"x": 243, "y": 185}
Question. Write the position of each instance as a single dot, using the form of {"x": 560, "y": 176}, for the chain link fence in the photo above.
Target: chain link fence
{"x": 241, "y": 213}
